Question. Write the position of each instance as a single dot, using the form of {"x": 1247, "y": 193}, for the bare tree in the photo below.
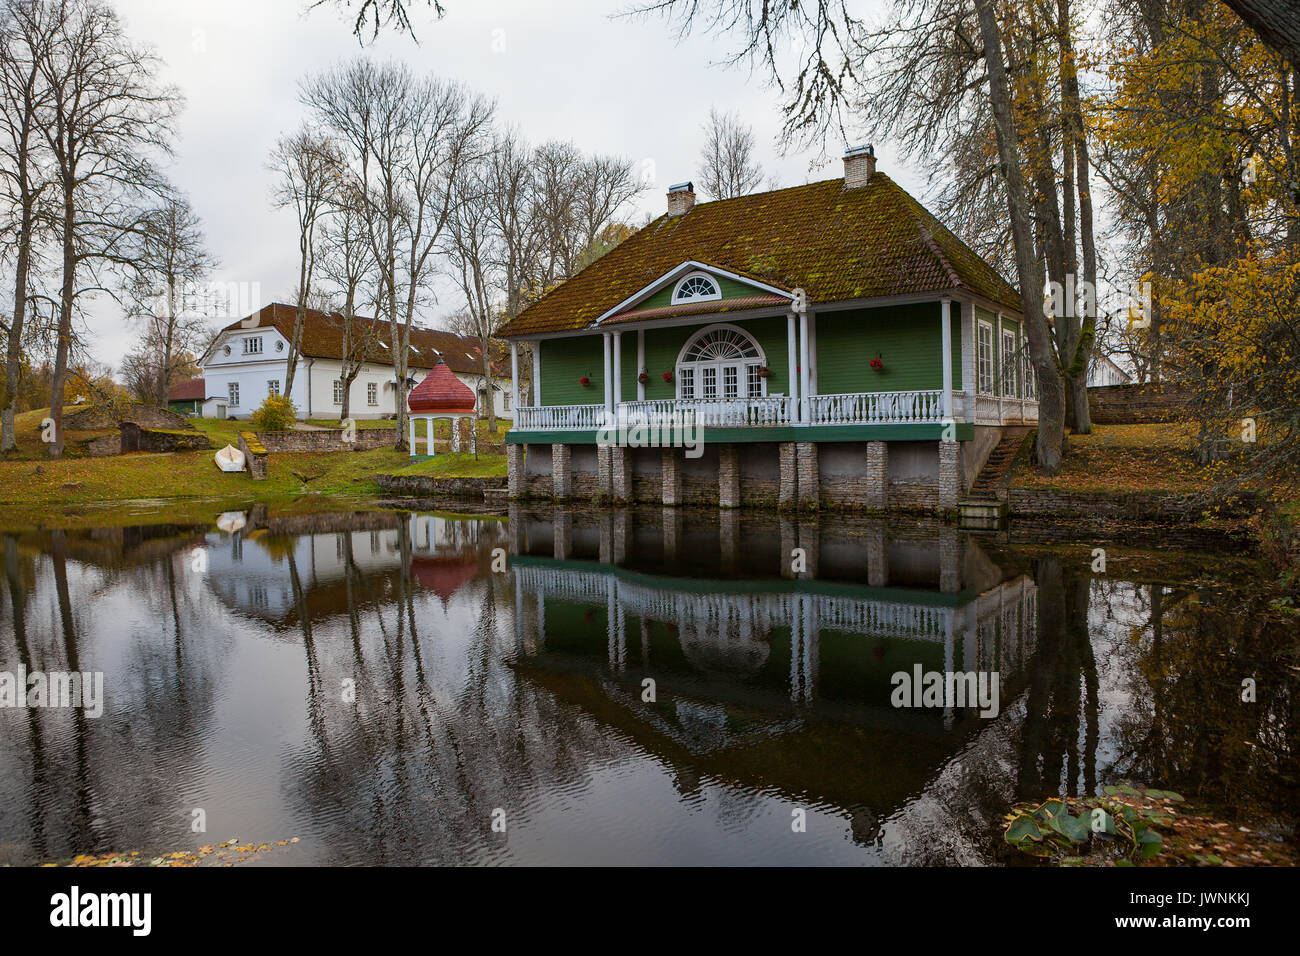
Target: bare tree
{"x": 407, "y": 141}
{"x": 107, "y": 113}
{"x": 448, "y": 135}
{"x": 365, "y": 107}
{"x": 474, "y": 254}
{"x": 575, "y": 197}
{"x": 309, "y": 168}
{"x": 347, "y": 263}
{"x": 727, "y": 165}
{"x": 25, "y": 29}
{"x": 511, "y": 197}
{"x": 162, "y": 292}
{"x": 374, "y": 15}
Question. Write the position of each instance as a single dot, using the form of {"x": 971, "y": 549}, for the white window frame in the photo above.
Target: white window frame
{"x": 679, "y": 299}
{"x": 984, "y": 350}
{"x": 232, "y": 394}
{"x": 372, "y": 393}
{"x": 273, "y": 387}
{"x": 253, "y": 345}
{"x": 338, "y": 391}
{"x": 1028, "y": 376}
{"x": 691, "y": 377}
{"x": 1009, "y": 363}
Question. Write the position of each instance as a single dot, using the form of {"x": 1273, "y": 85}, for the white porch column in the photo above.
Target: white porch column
{"x": 805, "y": 412}
{"x": 640, "y": 364}
{"x": 617, "y": 383}
{"x": 609, "y": 379}
{"x": 514, "y": 378}
{"x": 428, "y": 434}
{"x": 945, "y": 337}
{"x": 792, "y": 356}
{"x": 969, "y": 371}
{"x": 411, "y": 442}
{"x": 537, "y": 372}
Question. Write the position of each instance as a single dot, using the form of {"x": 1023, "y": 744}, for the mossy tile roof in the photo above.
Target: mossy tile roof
{"x": 832, "y": 242}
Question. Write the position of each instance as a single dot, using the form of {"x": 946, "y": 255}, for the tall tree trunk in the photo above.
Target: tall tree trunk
{"x": 1051, "y": 394}
{"x": 1077, "y": 153}
{"x": 14, "y": 354}
{"x": 64, "y": 343}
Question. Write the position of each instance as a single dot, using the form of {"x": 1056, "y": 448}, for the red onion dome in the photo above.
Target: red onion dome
{"x": 441, "y": 391}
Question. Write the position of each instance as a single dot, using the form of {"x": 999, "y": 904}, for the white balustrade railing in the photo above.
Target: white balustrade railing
{"x": 559, "y": 416}
{"x": 711, "y": 413}
{"x": 852, "y": 408}
{"x": 876, "y": 408}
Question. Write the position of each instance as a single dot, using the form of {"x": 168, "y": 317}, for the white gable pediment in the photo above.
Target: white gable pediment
{"x": 683, "y": 272}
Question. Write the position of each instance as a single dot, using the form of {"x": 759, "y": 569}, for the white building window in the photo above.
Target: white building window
{"x": 372, "y": 393}
{"x": 273, "y": 387}
{"x": 985, "y": 358}
{"x": 1009, "y": 363}
{"x": 505, "y": 401}
{"x": 1029, "y": 377}
{"x": 696, "y": 287}
{"x": 232, "y": 394}
{"x": 338, "y": 391}
{"x": 253, "y": 346}
{"x": 722, "y": 361}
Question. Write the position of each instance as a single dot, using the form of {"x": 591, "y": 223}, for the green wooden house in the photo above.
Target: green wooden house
{"x": 832, "y": 343}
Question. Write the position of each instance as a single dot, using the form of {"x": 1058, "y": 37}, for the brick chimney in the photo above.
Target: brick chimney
{"x": 681, "y": 199}
{"x": 859, "y": 164}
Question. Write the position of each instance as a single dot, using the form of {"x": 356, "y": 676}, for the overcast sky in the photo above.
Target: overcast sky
{"x": 562, "y": 70}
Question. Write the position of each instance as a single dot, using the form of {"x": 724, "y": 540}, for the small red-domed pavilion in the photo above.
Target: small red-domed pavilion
{"x": 442, "y": 395}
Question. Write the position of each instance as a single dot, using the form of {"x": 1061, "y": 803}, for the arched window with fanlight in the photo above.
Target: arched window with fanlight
{"x": 721, "y": 362}
{"x": 696, "y": 287}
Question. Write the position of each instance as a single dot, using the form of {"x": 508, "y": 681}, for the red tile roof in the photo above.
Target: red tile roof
{"x": 189, "y": 390}
{"x": 832, "y": 242}
{"x": 441, "y": 391}
{"x": 322, "y": 337}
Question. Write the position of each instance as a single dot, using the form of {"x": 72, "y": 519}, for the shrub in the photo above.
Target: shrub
{"x": 274, "y": 414}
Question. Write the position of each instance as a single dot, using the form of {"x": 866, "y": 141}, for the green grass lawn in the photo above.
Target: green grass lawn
{"x": 30, "y": 480}
{"x": 463, "y": 465}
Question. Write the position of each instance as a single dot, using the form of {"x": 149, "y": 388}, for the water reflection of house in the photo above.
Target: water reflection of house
{"x": 334, "y": 563}
{"x": 782, "y": 681}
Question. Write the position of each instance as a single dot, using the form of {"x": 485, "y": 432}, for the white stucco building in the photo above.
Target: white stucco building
{"x": 248, "y": 361}
{"x": 1102, "y": 370}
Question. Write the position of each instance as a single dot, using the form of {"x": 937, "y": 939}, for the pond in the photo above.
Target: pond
{"x": 648, "y": 687}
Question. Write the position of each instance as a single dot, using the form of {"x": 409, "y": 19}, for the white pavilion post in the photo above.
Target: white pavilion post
{"x": 473, "y": 437}
{"x": 640, "y": 364}
{"x": 514, "y": 378}
{"x": 411, "y": 444}
{"x": 945, "y": 338}
{"x": 537, "y": 372}
{"x": 455, "y": 433}
{"x": 428, "y": 434}
{"x": 792, "y": 356}
{"x": 804, "y": 371}
{"x": 616, "y": 385}
{"x": 609, "y": 372}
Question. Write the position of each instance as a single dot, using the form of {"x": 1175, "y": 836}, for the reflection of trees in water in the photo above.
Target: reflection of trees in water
{"x": 1130, "y": 681}
{"x": 102, "y": 784}
{"x": 1196, "y": 734}
{"x": 442, "y": 731}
